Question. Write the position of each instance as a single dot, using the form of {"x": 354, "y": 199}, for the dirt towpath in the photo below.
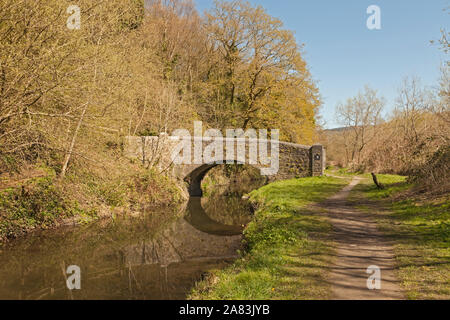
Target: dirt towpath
{"x": 359, "y": 245}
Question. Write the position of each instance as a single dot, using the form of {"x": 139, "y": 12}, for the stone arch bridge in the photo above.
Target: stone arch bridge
{"x": 293, "y": 160}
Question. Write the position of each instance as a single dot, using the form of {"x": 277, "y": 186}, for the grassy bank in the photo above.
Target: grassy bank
{"x": 287, "y": 246}
{"x": 38, "y": 199}
{"x": 419, "y": 225}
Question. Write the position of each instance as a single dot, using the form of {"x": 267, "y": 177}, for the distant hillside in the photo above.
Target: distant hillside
{"x": 337, "y": 129}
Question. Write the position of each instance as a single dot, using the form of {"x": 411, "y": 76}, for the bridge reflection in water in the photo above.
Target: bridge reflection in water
{"x": 159, "y": 255}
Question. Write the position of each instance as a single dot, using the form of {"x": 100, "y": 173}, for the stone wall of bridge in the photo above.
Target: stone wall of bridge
{"x": 294, "y": 160}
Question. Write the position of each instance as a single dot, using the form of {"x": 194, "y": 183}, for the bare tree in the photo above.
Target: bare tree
{"x": 360, "y": 115}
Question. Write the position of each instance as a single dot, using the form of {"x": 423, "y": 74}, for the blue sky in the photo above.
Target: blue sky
{"x": 343, "y": 55}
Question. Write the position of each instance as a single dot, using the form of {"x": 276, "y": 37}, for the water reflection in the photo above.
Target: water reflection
{"x": 199, "y": 219}
{"x": 159, "y": 255}
{"x": 226, "y": 206}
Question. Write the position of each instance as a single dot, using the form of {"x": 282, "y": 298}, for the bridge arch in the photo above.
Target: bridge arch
{"x": 199, "y": 219}
{"x": 194, "y": 178}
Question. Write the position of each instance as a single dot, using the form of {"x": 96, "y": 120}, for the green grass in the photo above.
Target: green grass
{"x": 287, "y": 246}
{"x": 344, "y": 172}
{"x": 420, "y": 229}
{"x": 393, "y": 184}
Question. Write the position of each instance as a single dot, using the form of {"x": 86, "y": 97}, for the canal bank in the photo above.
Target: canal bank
{"x": 37, "y": 199}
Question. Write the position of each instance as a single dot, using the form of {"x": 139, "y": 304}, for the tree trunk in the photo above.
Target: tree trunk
{"x": 72, "y": 144}
{"x": 375, "y": 180}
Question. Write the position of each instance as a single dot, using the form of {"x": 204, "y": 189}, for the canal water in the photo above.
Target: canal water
{"x": 158, "y": 255}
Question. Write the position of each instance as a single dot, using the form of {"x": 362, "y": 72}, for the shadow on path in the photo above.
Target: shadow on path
{"x": 359, "y": 245}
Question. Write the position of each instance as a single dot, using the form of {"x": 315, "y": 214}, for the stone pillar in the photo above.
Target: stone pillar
{"x": 317, "y": 156}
